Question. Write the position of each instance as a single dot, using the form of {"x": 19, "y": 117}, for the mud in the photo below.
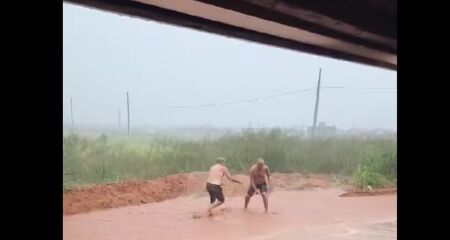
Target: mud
{"x": 174, "y": 207}
{"x": 308, "y": 214}
{"x": 130, "y": 193}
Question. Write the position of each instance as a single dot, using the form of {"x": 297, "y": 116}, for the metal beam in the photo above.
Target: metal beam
{"x": 206, "y": 17}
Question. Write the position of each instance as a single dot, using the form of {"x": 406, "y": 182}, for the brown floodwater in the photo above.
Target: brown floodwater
{"x": 309, "y": 214}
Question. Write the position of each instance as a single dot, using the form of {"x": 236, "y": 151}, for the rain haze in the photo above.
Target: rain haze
{"x": 197, "y": 97}
{"x": 107, "y": 55}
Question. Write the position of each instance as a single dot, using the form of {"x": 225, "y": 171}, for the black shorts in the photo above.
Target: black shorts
{"x": 215, "y": 192}
{"x": 262, "y": 187}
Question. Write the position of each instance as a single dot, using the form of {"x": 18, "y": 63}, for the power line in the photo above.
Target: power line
{"x": 369, "y": 88}
{"x": 250, "y": 100}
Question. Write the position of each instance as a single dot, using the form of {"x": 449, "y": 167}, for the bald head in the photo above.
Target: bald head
{"x": 220, "y": 160}
{"x": 260, "y": 162}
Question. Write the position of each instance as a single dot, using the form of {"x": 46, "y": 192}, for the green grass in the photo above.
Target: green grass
{"x": 370, "y": 161}
{"x": 377, "y": 168}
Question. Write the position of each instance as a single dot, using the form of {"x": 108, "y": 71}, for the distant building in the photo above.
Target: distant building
{"x": 370, "y": 132}
{"x": 322, "y": 130}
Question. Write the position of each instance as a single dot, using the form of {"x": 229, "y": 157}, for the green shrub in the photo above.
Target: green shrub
{"x": 108, "y": 159}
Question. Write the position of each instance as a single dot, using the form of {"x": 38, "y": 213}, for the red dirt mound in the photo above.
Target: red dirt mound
{"x": 114, "y": 195}
{"x": 123, "y": 194}
{"x": 127, "y": 193}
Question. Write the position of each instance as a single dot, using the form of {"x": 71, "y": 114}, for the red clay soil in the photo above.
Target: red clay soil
{"x": 127, "y": 193}
{"x": 318, "y": 214}
{"x": 106, "y": 196}
{"x": 362, "y": 193}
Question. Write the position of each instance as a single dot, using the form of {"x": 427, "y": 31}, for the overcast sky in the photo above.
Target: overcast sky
{"x": 106, "y": 55}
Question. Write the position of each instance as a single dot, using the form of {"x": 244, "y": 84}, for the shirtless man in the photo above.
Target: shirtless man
{"x": 259, "y": 182}
{"x": 214, "y": 183}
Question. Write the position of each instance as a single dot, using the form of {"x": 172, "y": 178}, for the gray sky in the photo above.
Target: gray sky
{"x": 106, "y": 55}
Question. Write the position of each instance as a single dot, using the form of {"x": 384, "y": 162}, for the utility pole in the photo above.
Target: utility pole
{"x": 128, "y": 113}
{"x": 316, "y": 110}
{"x": 120, "y": 123}
{"x": 71, "y": 112}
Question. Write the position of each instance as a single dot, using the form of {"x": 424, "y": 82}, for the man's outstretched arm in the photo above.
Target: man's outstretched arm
{"x": 227, "y": 173}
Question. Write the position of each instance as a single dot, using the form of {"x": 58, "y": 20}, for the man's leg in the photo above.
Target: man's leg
{"x": 266, "y": 201}
{"x": 265, "y": 197}
{"x": 247, "y": 200}
{"x": 248, "y": 196}
{"x": 212, "y": 197}
{"x": 214, "y": 205}
{"x": 218, "y": 194}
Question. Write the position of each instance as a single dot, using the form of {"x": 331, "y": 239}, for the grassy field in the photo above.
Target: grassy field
{"x": 368, "y": 161}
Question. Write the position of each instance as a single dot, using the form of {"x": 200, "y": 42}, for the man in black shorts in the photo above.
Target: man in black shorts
{"x": 215, "y": 193}
{"x": 214, "y": 183}
{"x": 259, "y": 180}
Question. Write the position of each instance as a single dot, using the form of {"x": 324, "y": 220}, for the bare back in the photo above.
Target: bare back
{"x": 216, "y": 174}
{"x": 259, "y": 174}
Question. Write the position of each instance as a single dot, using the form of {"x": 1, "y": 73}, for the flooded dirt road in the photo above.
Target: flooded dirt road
{"x": 307, "y": 214}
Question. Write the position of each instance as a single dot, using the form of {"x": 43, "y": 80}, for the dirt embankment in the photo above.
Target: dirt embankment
{"x": 127, "y": 193}
{"x": 362, "y": 193}
{"x": 105, "y": 196}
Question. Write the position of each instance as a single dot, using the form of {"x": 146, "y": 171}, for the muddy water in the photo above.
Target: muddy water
{"x": 312, "y": 214}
